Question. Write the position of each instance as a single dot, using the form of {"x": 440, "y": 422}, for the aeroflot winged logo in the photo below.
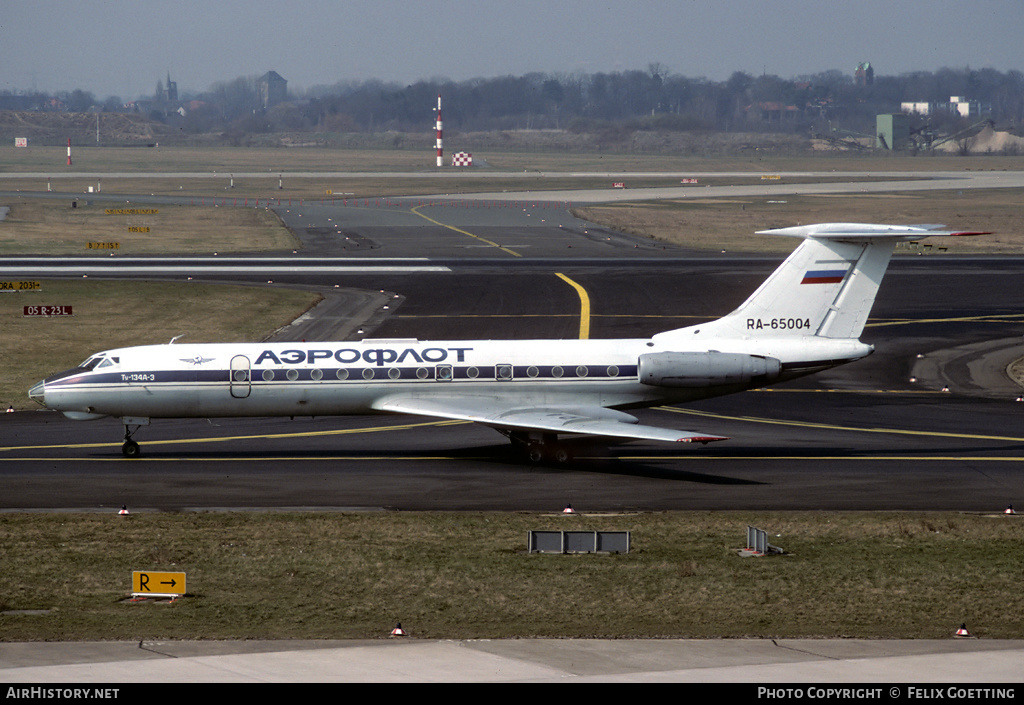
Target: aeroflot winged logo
{"x": 373, "y": 356}
{"x": 197, "y": 360}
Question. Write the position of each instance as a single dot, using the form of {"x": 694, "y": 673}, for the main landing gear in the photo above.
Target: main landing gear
{"x": 540, "y": 448}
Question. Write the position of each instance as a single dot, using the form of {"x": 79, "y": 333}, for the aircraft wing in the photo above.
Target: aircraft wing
{"x": 589, "y": 420}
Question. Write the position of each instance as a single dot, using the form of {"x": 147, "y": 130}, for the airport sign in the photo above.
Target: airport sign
{"x": 157, "y": 584}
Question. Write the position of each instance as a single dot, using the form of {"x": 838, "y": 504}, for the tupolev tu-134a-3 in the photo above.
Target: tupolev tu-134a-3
{"x": 806, "y": 317}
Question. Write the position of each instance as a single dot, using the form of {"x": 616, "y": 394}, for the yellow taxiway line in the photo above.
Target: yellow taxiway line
{"x": 584, "y": 305}
{"x": 834, "y": 427}
{"x": 267, "y": 436}
{"x": 466, "y": 233}
{"x": 584, "y": 298}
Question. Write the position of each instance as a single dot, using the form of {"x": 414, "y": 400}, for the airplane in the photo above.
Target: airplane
{"x": 806, "y": 317}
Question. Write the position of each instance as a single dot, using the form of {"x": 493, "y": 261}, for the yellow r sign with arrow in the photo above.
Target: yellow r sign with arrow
{"x": 150, "y": 583}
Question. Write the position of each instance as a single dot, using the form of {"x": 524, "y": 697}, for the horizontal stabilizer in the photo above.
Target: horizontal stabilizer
{"x": 866, "y": 232}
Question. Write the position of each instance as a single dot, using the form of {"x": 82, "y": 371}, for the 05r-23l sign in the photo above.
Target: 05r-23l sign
{"x": 47, "y": 311}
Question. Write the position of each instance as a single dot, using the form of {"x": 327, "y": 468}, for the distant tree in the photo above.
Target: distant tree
{"x": 79, "y": 101}
{"x": 113, "y": 104}
{"x": 606, "y": 104}
{"x": 237, "y": 99}
{"x": 286, "y": 117}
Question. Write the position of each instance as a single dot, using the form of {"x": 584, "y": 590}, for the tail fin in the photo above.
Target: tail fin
{"x": 825, "y": 288}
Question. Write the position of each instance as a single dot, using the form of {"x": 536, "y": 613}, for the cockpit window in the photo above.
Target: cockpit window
{"x": 97, "y": 361}
{"x": 91, "y": 362}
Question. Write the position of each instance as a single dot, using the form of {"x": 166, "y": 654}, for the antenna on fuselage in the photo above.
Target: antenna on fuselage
{"x": 175, "y": 338}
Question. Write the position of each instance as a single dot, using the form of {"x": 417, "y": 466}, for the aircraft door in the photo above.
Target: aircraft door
{"x": 240, "y": 380}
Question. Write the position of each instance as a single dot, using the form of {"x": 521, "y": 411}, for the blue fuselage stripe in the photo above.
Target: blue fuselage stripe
{"x": 483, "y": 373}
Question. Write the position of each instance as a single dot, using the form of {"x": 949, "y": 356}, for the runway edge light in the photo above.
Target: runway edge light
{"x": 398, "y": 631}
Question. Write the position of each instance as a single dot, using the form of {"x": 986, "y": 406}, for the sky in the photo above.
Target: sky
{"x": 123, "y": 47}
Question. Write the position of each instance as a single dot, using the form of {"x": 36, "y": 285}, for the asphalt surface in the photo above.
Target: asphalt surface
{"x": 930, "y": 421}
{"x": 878, "y": 434}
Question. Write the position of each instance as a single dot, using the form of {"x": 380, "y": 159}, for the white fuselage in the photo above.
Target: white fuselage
{"x": 340, "y": 378}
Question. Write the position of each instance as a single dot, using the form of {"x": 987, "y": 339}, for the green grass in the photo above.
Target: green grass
{"x": 452, "y": 575}
{"x": 91, "y": 162}
{"x": 38, "y": 226}
{"x": 273, "y": 161}
{"x": 730, "y": 223}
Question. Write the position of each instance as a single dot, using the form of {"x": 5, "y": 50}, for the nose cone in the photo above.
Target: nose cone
{"x": 38, "y": 393}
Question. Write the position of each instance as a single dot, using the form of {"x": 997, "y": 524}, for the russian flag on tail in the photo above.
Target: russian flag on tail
{"x": 823, "y": 276}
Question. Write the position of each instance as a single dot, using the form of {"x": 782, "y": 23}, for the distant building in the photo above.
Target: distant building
{"x": 958, "y": 105}
{"x": 170, "y": 90}
{"x": 919, "y": 108}
{"x": 864, "y": 75}
{"x": 772, "y": 113}
{"x": 892, "y": 132}
{"x": 272, "y": 89}
{"x": 964, "y": 108}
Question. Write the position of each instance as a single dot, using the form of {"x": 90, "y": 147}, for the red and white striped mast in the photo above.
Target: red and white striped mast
{"x": 440, "y": 149}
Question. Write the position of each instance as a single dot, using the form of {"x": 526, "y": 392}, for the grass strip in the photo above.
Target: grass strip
{"x": 467, "y": 575}
{"x": 38, "y": 226}
{"x": 729, "y": 224}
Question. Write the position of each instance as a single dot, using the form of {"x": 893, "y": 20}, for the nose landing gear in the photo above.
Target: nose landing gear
{"x": 131, "y": 449}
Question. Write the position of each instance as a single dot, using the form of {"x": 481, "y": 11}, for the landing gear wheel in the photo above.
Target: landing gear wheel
{"x": 131, "y": 449}
{"x": 561, "y": 455}
{"x": 535, "y": 452}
